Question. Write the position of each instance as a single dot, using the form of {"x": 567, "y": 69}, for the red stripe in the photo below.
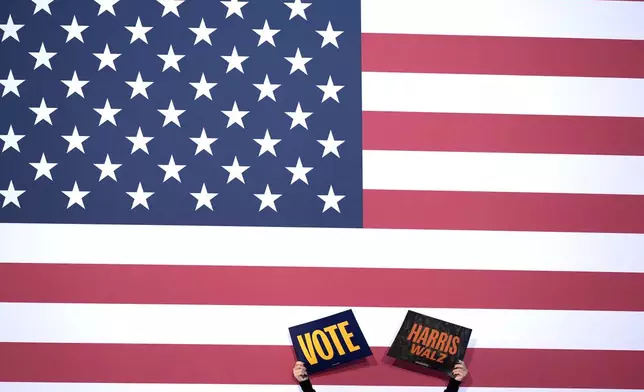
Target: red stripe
{"x": 464, "y": 54}
{"x": 141, "y": 284}
{"x": 502, "y": 133}
{"x": 503, "y": 211}
{"x": 134, "y": 363}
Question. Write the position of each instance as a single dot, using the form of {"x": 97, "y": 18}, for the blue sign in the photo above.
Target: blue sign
{"x": 329, "y": 341}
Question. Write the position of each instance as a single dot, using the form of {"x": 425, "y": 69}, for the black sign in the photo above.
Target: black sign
{"x": 430, "y": 342}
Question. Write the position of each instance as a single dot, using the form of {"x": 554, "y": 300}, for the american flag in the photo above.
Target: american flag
{"x": 182, "y": 181}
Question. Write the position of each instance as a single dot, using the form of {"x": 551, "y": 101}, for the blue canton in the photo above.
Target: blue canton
{"x": 196, "y": 112}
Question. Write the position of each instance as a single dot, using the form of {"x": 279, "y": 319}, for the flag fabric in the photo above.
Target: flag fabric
{"x": 222, "y": 117}
{"x": 182, "y": 181}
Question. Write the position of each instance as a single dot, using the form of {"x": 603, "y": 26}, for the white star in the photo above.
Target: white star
{"x": 202, "y": 33}
{"x": 172, "y": 170}
{"x": 297, "y": 9}
{"x": 75, "y": 141}
{"x": 76, "y": 196}
{"x": 330, "y": 90}
{"x": 138, "y": 31}
{"x": 108, "y": 169}
{"x": 234, "y": 7}
{"x": 235, "y": 116}
{"x": 42, "y": 57}
{"x": 204, "y": 198}
{"x": 267, "y": 144}
{"x": 235, "y": 171}
{"x": 140, "y": 197}
{"x": 139, "y": 86}
{"x": 171, "y": 115}
{"x": 203, "y": 142}
{"x": 299, "y": 172}
{"x": 11, "y": 140}
{"x": 11, "y": 85}
{"x": 170, "y": 6}
{"x": 106, "y": 5}
{"x": 329, "y": 35}
{"x": 107, "y": 58}
{"x": 299, "y": 117}
{"x": 107, "y": 113}
{"x": 42, "y": 5}
{"x": 75, "y": 86}
{"x": 43, "y": 168}
{"x": 10, "y": 29}
{"x": 266, "y": 89}
{"x": 11, "y": 195}
{"x": 235, "y": 61}
{"x": 331, "y": 145}
{"x": 331, "y": 200}
{"x": 139, "y": 142}
{"x": 266, "y": 34}
{"x": 298, "y": 62}
{"x": 74, "y": 30}
{"x": 203, "y": 87}
{"x": 43, "y": 113}
{"x": 171, "y": 59}
{"x": 268, "y": 199}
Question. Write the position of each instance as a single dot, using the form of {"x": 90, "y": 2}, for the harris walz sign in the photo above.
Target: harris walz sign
{"x": 430, "y": 342}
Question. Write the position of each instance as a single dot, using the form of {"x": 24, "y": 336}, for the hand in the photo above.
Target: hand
{"x": 299, "y": 372}
{"x": 460, "y": 371}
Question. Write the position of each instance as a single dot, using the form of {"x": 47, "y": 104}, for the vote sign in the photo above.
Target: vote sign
{"x": 329, "y": 341}
{"x": 430, "y": 342}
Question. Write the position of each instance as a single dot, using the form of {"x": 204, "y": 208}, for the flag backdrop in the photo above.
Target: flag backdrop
{"x": 182, "y": 181}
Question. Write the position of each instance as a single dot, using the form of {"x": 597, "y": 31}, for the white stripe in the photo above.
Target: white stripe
{"x": 500, "y": 172}
{"x": 502, "y": 94}
{"x": 268, "y": 325}
{"x": 525, "y": 18}
{"x": 94, "y": 387}
{"x": 360, "y": 248}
